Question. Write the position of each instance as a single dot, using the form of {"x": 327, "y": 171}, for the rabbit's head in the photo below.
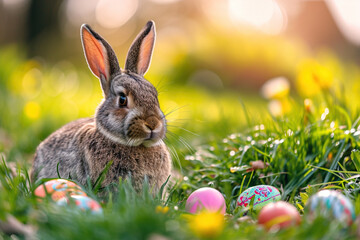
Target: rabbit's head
{"x": 130, "y": 113}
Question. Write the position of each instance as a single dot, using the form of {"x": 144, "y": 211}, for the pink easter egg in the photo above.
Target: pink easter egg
{"x": 206, "y": 198}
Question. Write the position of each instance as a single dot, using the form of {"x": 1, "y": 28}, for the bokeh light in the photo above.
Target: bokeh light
{"x": 264, "y": 15}
{"x": 347, "y": 16}
{"x": 115, "y": 13}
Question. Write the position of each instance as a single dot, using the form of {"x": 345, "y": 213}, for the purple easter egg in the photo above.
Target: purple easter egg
{"x": 205, "y": 198}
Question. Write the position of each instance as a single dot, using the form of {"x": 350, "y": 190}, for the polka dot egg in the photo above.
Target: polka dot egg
{"x": 58, "y": 188}
{"x": 83, "y": 203}
{"x": 330, "y": 203}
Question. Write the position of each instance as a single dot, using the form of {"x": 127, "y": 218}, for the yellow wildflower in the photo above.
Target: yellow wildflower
{"x": 161, "y": 209}
{"x": 207, "y": 224}
{"x": 32, "y": 110}
{"x": 276, "y": 88}
{"x": 308, "y": 104}
{"x": 313, "y": 77}
{"x": 279, "y": 108}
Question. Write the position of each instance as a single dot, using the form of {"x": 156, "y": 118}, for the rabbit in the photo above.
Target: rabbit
{"x": 128, "y": 128}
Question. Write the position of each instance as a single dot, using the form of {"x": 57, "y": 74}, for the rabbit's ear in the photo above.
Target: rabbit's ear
{"x": 100, "y": 56}
{"x": 139, "y": 55}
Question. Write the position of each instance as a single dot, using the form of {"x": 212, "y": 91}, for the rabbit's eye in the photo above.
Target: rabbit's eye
{"x": 122, "y": 100}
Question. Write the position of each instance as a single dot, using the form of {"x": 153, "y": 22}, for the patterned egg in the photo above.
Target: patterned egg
{"x": 84, "y": 203}
{"x": 330, "y": 203}
{"x": 279, "y": 214}
{"x": 205, "y": 198}
{"x": 260, "y": 195}
{"x": 58, "y": 188}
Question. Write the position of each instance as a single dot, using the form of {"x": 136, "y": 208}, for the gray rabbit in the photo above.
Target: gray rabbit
{"x": 128, "y": 127}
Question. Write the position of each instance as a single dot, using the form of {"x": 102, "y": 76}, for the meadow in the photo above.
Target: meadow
{"x": 304, "y": 129}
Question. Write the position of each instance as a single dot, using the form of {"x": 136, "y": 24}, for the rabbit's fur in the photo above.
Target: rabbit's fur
{"x": 130, "y": 135}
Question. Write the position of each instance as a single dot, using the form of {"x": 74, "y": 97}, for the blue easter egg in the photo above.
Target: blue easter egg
{"x": 330, "y": 203}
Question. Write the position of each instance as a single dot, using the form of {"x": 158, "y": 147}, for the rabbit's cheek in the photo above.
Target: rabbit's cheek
{"x": 120, "y": 113}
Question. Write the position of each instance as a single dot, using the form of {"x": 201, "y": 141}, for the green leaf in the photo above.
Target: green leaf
{"x": 355, "y": 158}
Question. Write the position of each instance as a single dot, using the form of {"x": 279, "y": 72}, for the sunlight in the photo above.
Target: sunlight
{"x": 115, "y": 13}
{"x": 79, "y": 11}
{"x": 264, "y": 15}
{"x": 347, "y": 17}
{"x": 165, "y": 1}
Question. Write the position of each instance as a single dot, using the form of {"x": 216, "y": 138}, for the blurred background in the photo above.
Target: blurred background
{"x": 221, "y": 66}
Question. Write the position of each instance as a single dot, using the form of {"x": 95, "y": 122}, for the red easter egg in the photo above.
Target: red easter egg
{"x": 58, "y": 188}
{"x": 280, "y": 214}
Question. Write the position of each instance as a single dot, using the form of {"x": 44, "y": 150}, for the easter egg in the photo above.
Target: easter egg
{"x": 279, "y": 214}
{"x": 84, "y": 203}
{"x": 205, "y": 198}
{"x": 58, "y": 188}
{"x": 333, "y": 204}
{"x": 261, "y": 195}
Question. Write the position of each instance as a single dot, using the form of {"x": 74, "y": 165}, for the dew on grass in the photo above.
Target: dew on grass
{"x": 262, "y": 142}
{"x": 190, "y": 158}
{"x": 277, "y": 142}
{"x": 235, "y": 169}
{"x": 259, "y": 127}
{"x": 326, "y": 112}
{"x": 232, "y": 136}
{"x": 289, "y": 132}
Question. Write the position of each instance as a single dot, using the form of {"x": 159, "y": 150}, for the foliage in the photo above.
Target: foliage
{"x": 309, "y": 145}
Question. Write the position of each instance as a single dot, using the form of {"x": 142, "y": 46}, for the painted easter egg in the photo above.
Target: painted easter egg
{"x": 206, "y": 198}
{"x": 58, "y": 188}
{"x": 330, "y": 203}
{"x": 261, "y": 195}
{"x": 84, "y": 203}
{"x": 279, "y": 214}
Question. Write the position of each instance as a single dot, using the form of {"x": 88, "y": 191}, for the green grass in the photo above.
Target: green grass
{"x": 303, "y": 151}
{"x": 301, "y": 155}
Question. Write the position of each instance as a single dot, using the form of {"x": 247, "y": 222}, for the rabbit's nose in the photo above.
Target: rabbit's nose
{"x": 152, "y": 123}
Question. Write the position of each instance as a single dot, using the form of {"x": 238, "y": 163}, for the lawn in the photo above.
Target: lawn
{"x": 309, "y": 141}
